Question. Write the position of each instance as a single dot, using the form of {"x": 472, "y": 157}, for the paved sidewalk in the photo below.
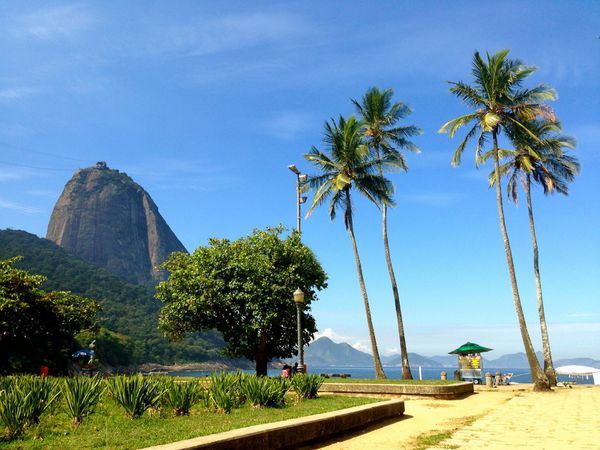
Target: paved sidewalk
{"x": 562, "y": 419}
{"x": 505, "y": 418}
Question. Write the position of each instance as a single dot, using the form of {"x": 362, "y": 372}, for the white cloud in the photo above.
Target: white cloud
{"x": 362, "y": 347}
{"x": 352, "y": 341}
{"x": 331, "y": 334}
{"x": 65, "y": 21}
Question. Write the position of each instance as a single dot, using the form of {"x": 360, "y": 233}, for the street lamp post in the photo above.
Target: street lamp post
{"x": 300, "y": 177}
{"x": 298, "y": 300}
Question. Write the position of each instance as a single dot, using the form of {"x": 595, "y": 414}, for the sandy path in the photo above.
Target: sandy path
{"x": 503, "y": 418}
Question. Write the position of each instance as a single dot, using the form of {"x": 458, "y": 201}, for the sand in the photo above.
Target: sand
{"x": 509, "y": 417}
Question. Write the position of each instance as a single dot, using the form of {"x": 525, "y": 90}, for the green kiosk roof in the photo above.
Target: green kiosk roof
{"x": 470, "y": 347}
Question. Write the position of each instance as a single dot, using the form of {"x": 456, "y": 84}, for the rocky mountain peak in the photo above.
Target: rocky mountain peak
{"x": 106, "y": 218}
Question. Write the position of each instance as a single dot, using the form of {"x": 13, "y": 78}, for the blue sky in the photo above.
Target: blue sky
{"x": 206, "y": 103}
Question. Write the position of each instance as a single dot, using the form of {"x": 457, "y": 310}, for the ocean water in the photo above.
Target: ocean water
{"x": 428, "y": 373}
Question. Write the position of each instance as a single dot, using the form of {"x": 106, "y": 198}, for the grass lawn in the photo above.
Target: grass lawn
{"x": 108, "y": 428}
{"x": 390, "y": 381}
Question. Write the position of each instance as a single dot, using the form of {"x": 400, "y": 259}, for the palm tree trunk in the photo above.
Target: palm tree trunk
{"x": 406, "y": 373}
{"x": 379, "y": 373}
{"x": 540, "y": 382}
{"x": 548, "y": 366}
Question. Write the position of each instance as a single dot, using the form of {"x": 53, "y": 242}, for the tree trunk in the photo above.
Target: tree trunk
{"x": 406, "y": 373}
{"x": 548, "y": 365}
{"x": 540, "y": 381}
{"x": 379, "y": 373}
{"x": 261, "y": 356}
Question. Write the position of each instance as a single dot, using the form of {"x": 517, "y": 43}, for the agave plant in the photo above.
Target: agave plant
{"x": 136, "y": 394}
{"x": 81, "y": 396}
{"x": 263, "y": 391}
{"x": 15, "y": 410}
{"x": 224, "y": 391}
{"x": 43, "y": 393}
{"x": 180, "y": 397}
{"x": 306, "y": 386}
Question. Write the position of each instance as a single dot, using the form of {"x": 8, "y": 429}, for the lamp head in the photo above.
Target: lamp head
{"x": 294, "y": 169}
{"x": 298, "y": 296}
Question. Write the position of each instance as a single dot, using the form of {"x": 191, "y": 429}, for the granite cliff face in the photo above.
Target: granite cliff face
{"x": 106, "y": 218}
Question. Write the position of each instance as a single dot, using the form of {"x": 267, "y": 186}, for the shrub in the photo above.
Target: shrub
{"x": 15, "y": 410}
{"x": 224, "y": 392}
{"x": 263, "y": 391}
{"x": 44, "y": 392}
{"x": 135, "y": 393}
{"x": 81, "y": 395}
{"x": 180, "y": 397}
{"x": 306, "y": 386}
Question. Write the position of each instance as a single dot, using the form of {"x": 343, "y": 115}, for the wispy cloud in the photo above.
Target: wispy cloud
{"x": 433, "y": 199}
{"x": 66, "y": 21}
{"x": 4, "y": 204}
{"x": 287, "y": 125}
{"x": 17, "y": 93}
{"x": 223, "y": 34}
{"x": 358, "y": 344}
{"x": 176, "y": 174}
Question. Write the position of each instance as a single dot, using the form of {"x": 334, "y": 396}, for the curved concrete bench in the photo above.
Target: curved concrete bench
{"x": 443, "y": 391}
{"x": 294, "y": 432}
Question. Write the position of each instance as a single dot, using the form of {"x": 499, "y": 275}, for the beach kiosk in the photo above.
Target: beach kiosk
{"x": 470, "y": 363}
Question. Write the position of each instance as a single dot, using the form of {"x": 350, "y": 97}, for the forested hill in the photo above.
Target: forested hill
{"x": 128, "y": 309}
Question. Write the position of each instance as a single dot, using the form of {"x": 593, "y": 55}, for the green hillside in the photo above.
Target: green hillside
{"x": 127, "y": 309}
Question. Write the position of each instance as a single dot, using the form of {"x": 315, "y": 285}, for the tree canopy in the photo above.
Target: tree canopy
{"x": 38, "y": 327}
{"x": 243, "y": 289}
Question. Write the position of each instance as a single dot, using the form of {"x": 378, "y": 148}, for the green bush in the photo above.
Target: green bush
{"x": 81, "y": 395}
{"x": 263, "y": 391}
{"x": 181, "y": 396}
{"x": 43, "y": 393}
{"x": 306, "y": 386}
{"x": 15, "y": 410}
{"x": 136, "y": 393}
{"x": 224, "y": 391}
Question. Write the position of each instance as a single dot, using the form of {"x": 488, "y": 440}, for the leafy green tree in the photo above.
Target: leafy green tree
{"x": 543, "y": 160}
{"x": 383, "y": 135}
{"x": 499, "y": 102}
{"x": 347, "y": 164}
{"x": 244, "y": 289}
{"x": 38, "y": 327}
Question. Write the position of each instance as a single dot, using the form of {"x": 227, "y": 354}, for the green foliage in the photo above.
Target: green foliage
{"x": 243, "y": 289}
{"x": 181, "y": 396}
{"x": 43, "y": 394}
{"x": 81, "y": 395}
{"x": 264, "y": 391}
{"x": 307, "y": 385}
{"x": 128, "y": 315}
{"x": 224, "y": 392}
{"x": 38, "y": 327}
{"x": 136, "y": 394}
{"x": 15, "y": 410}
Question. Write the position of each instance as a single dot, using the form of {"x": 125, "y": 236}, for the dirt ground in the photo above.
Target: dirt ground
{"x": 509, "y": 417}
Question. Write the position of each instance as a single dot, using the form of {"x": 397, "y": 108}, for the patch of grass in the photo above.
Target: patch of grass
{"x": 436, "y": 437}
{"x": 109, "y": 428}
{"x": 390, "y": 381}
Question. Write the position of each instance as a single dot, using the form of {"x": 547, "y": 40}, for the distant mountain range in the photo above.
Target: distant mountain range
{"x": 323, "y": 352}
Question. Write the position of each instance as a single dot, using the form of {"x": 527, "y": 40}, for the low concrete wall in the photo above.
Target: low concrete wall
{"x": 445, "y": 391}
{"x": 294, "y": 432}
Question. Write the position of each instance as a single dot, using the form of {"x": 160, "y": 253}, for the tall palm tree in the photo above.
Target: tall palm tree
{"x": 500, "y": 101}
{"x": 345, "y": 165}
{"x": 544, "y": 160}
{"x": 383, "y": 136}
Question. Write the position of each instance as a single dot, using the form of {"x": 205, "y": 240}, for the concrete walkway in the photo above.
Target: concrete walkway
{"x": 503, "y": 418}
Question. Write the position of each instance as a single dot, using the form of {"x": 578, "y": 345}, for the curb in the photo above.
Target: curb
{"x": 294, "y": 432}
{"x": 446, "y": 391}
